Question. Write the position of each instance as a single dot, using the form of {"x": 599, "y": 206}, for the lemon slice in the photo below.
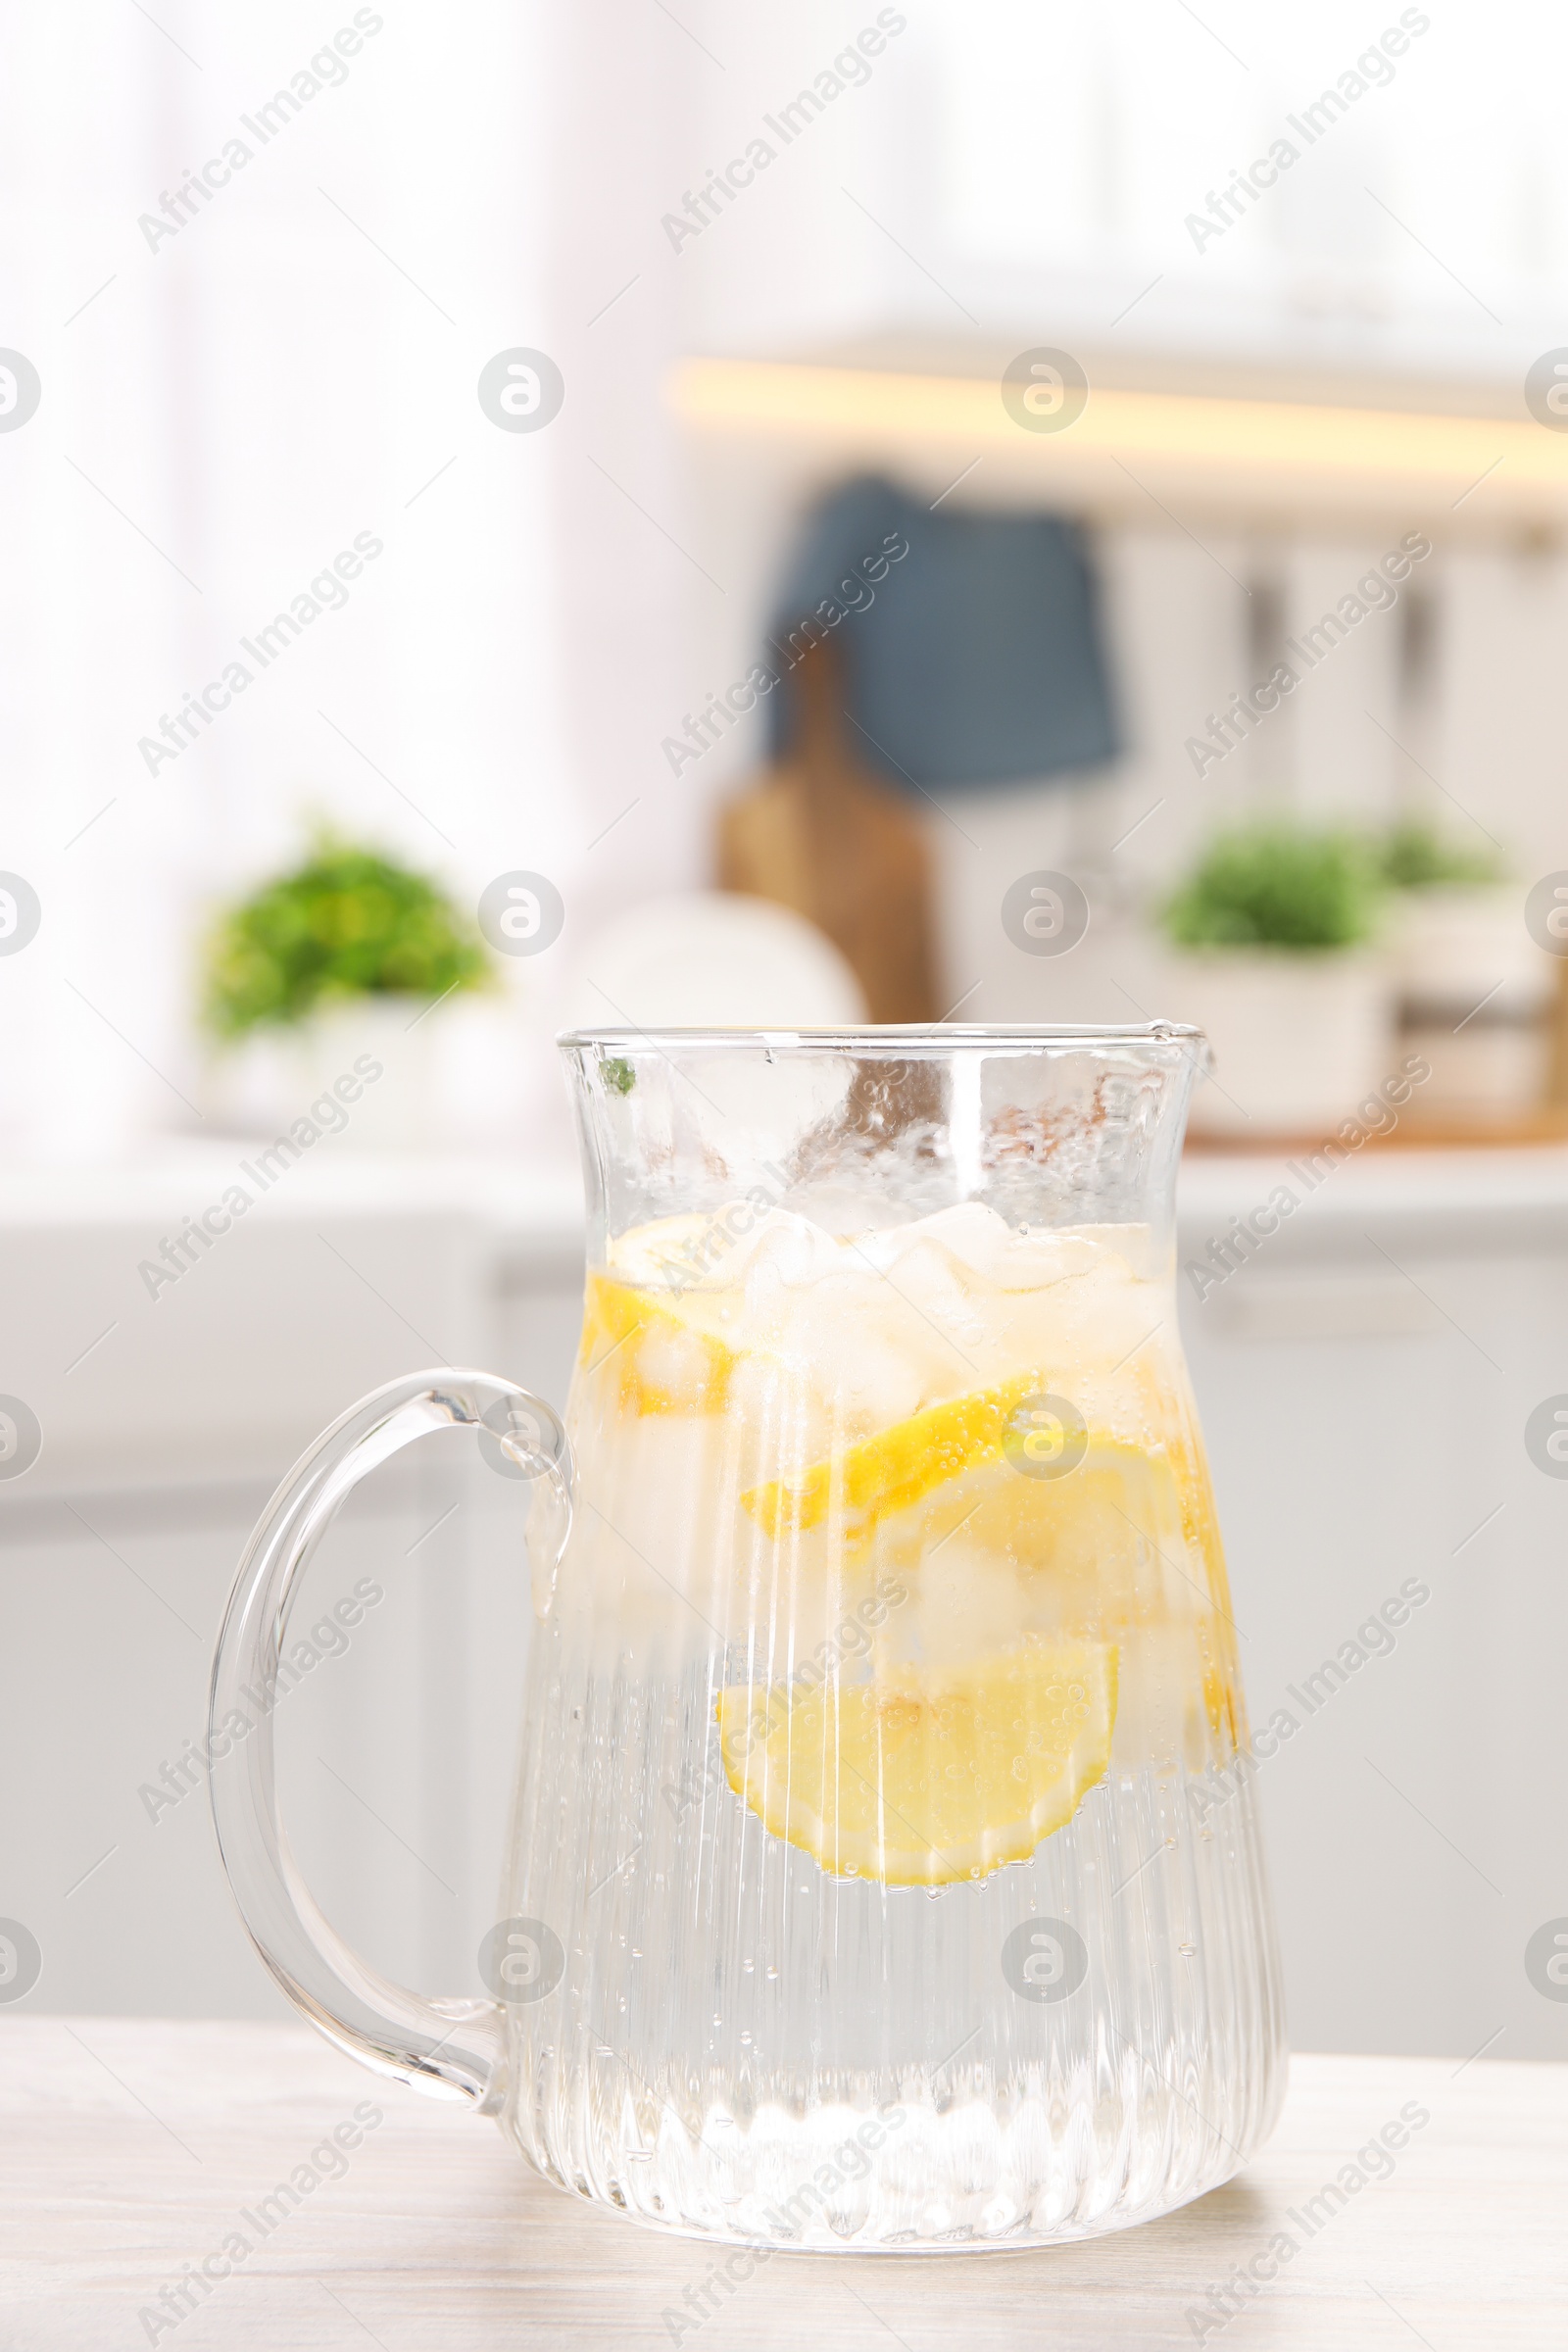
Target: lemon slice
{"x": 897, "y": 1467}
{"x": 929, "y": 1778}
{"x": 657, "y": 1355}
{"x": 1117, "y": 1488}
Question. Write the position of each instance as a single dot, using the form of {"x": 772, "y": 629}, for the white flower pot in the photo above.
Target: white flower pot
{"x": 1299, "y": 1038}
{"x": 1454, "y": 945}
{"x": 368, "y": 1065}
{"x": 1485, "y": 1070}
{"x": 1474, "y": 989}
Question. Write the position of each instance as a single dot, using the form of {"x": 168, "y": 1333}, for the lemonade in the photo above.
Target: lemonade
{"x": 895, "y": 1621}
{"x": 980, "y": 1433}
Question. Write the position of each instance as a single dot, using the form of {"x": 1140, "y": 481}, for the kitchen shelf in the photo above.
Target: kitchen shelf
{"x": 1242, "y": 442}
{"x": 1546, "y": 1126}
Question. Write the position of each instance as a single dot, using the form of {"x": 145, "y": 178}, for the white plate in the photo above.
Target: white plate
{"x": 711, "y": 959}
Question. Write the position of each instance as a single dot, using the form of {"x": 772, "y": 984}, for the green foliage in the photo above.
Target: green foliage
{"x": 1412, "y": 857}
{"x": 346, "y": 923}
{"x": 1279, "y": 886}
{"x": 620, "y": 1075}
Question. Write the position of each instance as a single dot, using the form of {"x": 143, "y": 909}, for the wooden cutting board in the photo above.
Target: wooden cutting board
{"x": 822, "y": 834}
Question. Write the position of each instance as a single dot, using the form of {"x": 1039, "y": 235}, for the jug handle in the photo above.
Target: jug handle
{"x": 452, "y": 2049}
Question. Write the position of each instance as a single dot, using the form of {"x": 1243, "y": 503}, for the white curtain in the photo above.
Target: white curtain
{"x": 242, "y": 384}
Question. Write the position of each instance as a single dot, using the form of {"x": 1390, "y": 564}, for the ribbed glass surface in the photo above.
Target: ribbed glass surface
{"x": 731, "y": 2016}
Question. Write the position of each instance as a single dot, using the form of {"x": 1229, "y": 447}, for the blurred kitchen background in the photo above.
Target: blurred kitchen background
{"x": 1038, "y": 514}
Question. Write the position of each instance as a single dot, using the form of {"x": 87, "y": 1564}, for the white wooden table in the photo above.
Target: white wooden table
{"x": 131, "y": 2149}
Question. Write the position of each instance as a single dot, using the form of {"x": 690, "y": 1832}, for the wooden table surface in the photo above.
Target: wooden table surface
{"x": 129, "y": 2148}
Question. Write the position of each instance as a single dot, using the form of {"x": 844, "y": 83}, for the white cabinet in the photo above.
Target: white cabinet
{"x": 119, "y": 1548}
{"x": 1364, "y": 1381}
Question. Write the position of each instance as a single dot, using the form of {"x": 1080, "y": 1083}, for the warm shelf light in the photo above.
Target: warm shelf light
{"x": 1249, "y": 452}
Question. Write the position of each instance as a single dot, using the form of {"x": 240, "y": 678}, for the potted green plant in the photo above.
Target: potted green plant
{"x": 1472, "y": 985}
{"x": 1274, "y": 934}
{"x": 334, "y": 966}
{"x": 1413, "y": 856}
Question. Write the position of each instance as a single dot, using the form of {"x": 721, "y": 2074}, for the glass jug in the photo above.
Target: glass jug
{"x": 866, "y": 1886}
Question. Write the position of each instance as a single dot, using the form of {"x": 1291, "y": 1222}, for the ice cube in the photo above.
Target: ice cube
{"x": 714, "y": 1250}
{"x": 788, "y": 1250}
{"x": 865, "y": 1355}
{"x": 984, "y": 1250}
{"x": 971, "y": 1232}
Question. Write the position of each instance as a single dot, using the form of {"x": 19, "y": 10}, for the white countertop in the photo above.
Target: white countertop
{"x": 519, "y": 1197}
{"x": 130, "y": 2146}
{"x": 1396, "y": 1181}
{"x": 170, "y": 1178}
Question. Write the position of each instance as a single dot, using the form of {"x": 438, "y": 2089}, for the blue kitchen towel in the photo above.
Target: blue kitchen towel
{"x": 971, "y": 642}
